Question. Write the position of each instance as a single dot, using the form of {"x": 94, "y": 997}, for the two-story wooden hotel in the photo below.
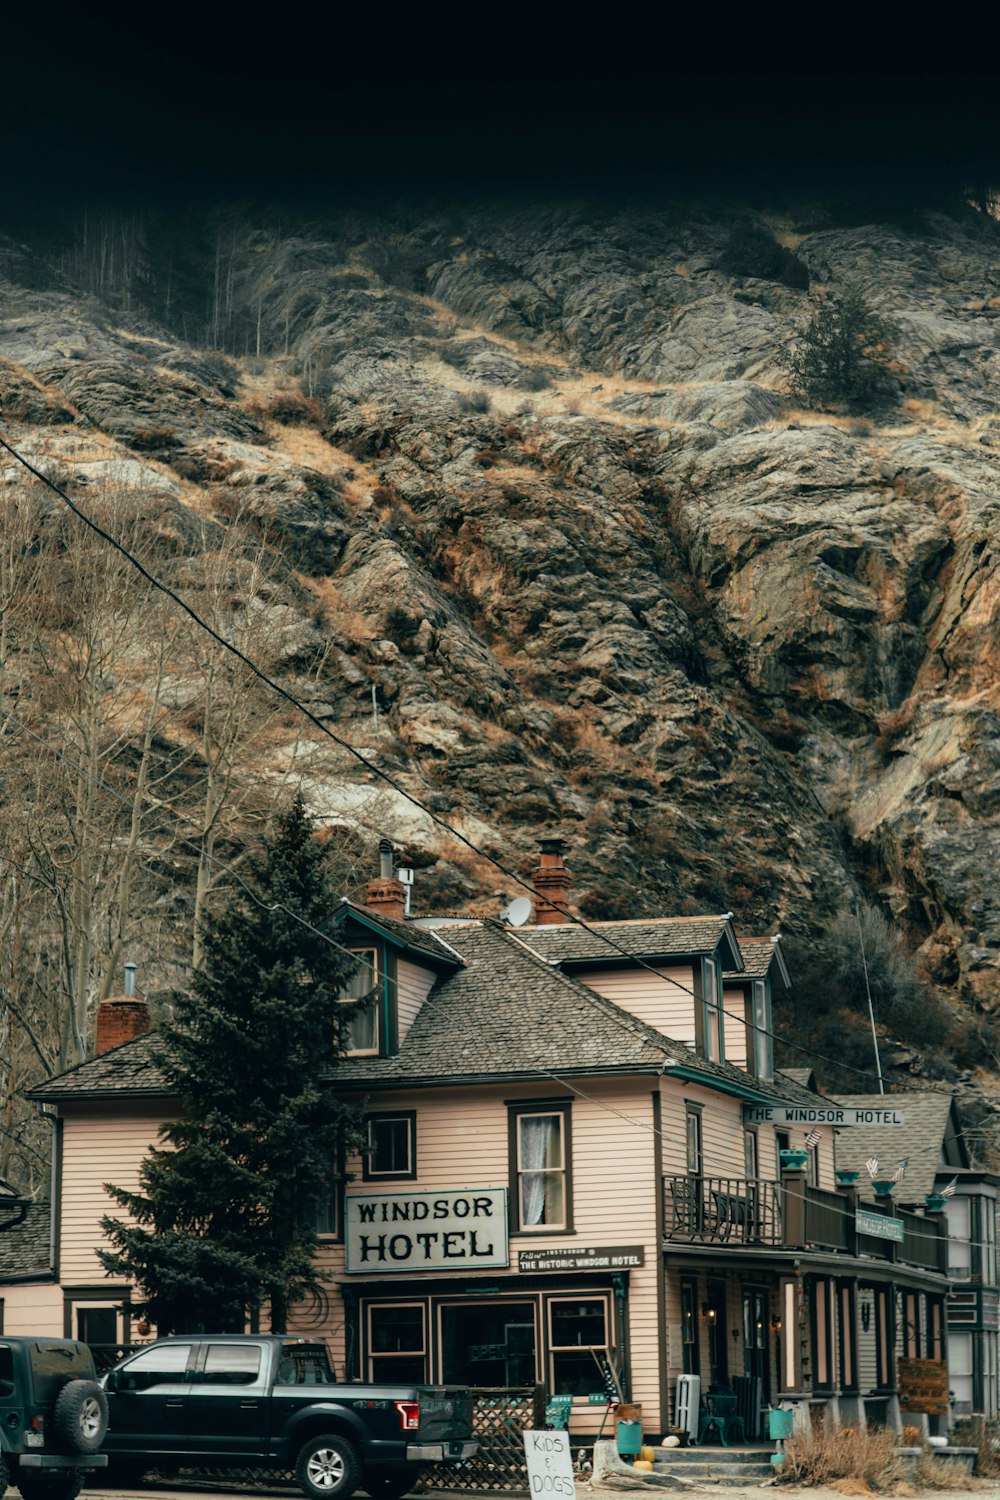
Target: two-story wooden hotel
{"x": 562, "y": 1169}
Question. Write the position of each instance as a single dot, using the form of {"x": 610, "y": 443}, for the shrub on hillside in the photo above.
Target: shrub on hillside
{"x": 841, "y": 361}
{"x": 752, "y": 250}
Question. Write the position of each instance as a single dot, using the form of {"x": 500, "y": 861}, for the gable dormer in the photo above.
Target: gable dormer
{"x": 681, "y": 997}
{"x": 398, "y": 963}
{"x": 747, "y": 998}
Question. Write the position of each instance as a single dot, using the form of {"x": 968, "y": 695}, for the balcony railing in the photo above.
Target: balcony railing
{"x": 722, "y": 1210}
{"x": 750, "y": 1211}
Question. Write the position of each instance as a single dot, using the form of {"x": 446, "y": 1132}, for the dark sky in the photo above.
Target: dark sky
{"x": 181, "y": 102}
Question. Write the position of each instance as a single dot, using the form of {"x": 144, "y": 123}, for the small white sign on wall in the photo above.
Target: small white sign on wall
{"x": 550, "y": 1465}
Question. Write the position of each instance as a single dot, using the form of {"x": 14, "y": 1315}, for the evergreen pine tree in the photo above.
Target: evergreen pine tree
{"x": 224, "y": 1219}
{"x": 842, "y": 358}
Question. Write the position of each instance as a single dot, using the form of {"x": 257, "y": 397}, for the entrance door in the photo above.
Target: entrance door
{"x": 756, "y": 1344}
{"x": 718, "y": 1333}
{"x": 689, "y": 1326}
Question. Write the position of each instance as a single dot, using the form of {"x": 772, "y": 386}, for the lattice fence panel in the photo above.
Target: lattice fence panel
{"x": 499, "y": 1419}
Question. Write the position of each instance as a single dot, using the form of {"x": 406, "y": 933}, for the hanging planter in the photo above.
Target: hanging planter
{"x": 883, "y": 1187}
{"x": 793, "y": 1159}
{"x": 935, "y": 1202}
{"x": 845, "y": 1178}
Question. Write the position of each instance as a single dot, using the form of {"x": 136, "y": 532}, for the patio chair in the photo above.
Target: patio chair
{"x": 719, "y": 1412}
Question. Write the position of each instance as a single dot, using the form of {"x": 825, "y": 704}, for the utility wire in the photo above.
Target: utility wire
{"x": 363, "y": 760}
{"x": 539, "y": 1073}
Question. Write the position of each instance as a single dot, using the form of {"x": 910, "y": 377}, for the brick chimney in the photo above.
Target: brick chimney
{"x": 122, "y": 1018}
{"x": 386, "y": 896}
{"x": 551, "y": 881}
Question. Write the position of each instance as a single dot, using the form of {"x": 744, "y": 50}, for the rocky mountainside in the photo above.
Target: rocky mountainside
{"x": 570, "y": 555}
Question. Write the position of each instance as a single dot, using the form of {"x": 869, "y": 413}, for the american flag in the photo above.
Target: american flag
{"x": 813, "y": 1138}
{"x": 871, "y": 1165}
{"x": 949, "y": 1191}
{"x": 900, "y": 1171}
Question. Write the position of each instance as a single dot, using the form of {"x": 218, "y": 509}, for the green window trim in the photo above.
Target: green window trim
{"x": 709, "y": 1017}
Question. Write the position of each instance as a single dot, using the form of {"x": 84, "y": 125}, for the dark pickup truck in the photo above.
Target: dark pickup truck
{"x": 233, "y": 1400}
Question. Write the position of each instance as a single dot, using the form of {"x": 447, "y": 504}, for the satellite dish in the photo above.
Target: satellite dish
{"x": 518, "y": 912}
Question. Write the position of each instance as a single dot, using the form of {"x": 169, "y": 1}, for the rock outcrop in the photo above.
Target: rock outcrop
{"x": 598, "y": 569}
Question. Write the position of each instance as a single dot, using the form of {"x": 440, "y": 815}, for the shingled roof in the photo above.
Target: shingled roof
{"x": 25, "y": 1250}
{"x": 650, "y": 939}
{"x": 761, "y": 956}
{"x": 133, "y": 1069}
{"x": 421, "y": 940}
{"x": 931, "y": 1134}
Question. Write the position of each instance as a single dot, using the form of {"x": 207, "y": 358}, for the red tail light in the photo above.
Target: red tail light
{"x": 409, "y": 1415}
{"x": 38, "y": 1424}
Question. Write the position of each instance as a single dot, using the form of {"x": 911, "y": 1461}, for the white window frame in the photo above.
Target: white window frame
{"x": 375, "y": 1051}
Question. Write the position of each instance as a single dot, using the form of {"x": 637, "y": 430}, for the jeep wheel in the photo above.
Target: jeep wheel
{"x": 80, "y": 1417}
{"x": 4, "y": 1477}
{"x": 391, "y": 1483}
{"x": 52, "y": 1484}
{"x": 327, "y": 1468}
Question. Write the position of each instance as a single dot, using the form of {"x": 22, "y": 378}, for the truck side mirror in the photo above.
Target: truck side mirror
{"x": 111, "y": 1380}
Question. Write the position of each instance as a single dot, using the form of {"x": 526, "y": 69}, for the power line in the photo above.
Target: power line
{"x": 358, "y": 755}
{"x": 303, "y": 921}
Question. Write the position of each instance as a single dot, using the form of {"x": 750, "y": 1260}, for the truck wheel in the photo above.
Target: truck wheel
{"x": 56, "y": 1484}
{"x": 391, "y": 1484}
{"x": 327, "y": 1468}
{"x": 80, "y": 1417}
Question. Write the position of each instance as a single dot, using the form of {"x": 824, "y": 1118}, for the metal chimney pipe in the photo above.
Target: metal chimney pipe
{"x": 385, "y": 859}
{"x": 130, "y": 978}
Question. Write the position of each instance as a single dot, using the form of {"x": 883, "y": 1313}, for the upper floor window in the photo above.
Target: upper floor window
{"x": 760, "y": 1055}
{"x": 540, "y": 1157}
{"x": 392, "y": 1146}
{"x": 709, "y": 1029}
{"x": 959, "y": 1239}
{"x": 362, "y": 1034}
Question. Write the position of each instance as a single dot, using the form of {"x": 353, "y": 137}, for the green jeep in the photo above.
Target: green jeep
{"x": 53, "y": 1417}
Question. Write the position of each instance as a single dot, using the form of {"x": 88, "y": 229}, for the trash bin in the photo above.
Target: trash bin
{"x": 629, "y": 1439}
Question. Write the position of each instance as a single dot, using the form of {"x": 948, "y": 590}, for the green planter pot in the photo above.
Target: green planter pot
{"x": 847, "y": 1179}
{"x": 793, "y": 1160}
{"x": 935, "y": 1202}
{"x": 883, "y": 1187}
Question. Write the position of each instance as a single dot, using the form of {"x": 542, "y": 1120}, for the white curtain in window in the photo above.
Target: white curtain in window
{"x": 539, "y": 1150}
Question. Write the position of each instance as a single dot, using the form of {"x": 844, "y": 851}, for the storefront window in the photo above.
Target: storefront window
{"x": 541, "y": 1170}
{"x": 361, "y": 1035}
{"x": 578, "y": 1340}
{"x": 488, "y": 1343}
{"x": 397, "y": 1342}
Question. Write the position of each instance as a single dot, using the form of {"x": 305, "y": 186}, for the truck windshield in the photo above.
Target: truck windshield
{"x": 305, "y": 1364}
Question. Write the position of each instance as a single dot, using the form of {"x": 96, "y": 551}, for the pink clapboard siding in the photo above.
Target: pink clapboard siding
{"x": 101, "y": 1143}
{"x": 413, "y": 984}
{"x": 33, "y": 1307}
{"x": 665, "y": 1002}
{"x": 736, "y": 1031}
{"x": 462, "y": 1142}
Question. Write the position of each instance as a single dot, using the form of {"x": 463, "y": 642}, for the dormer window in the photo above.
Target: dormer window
{"x": 762, "y": 1051}
{"x": 362, "y": 1034}
{"x": 710, "y": 1041}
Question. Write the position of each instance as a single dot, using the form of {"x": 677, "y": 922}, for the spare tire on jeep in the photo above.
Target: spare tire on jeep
{"x": 80, "y": 1417}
